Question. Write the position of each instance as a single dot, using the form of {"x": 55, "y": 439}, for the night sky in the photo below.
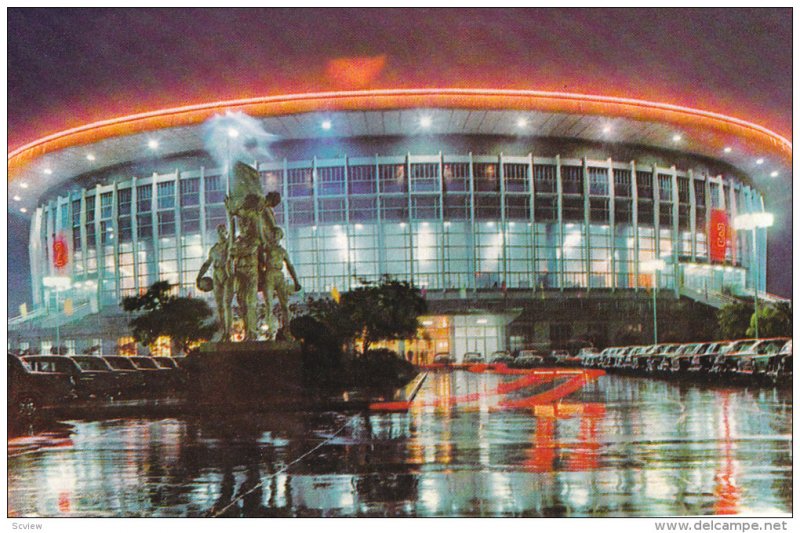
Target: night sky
{"x": 68, "y": 67}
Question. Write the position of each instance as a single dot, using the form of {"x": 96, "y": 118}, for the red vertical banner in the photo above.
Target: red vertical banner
{"x": 718, "y": 235}
{"x": 60, "y": 252}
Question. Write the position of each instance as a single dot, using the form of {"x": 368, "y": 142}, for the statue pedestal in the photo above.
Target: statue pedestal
{"x": 246, "y": 372}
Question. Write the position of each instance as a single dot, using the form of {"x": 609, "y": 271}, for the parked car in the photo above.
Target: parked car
{"x": 655, "y": 359}
{"x": 621, "y": 359}
{"x": 154, "y": 375}
{"x": 680, "y": 361}
{"x": 637, "y": 360}
{"x": 756, "y": 359}
{"x": 781, "y": 365}
{"x": 529, "y": 359}
{"x": 702, "y": 362}
{"x": 40, "y": 384}
{"x": 128, "y": 374}
{"x": 501, "y": 356}
{"x": 588, "y": 356}
{"x": 98, "y": 377}
{"x": 727, "y": 361}
{"x": 443, "y": 359}
{"x": 472, "y": 357}
{"x": 564, "y": 358}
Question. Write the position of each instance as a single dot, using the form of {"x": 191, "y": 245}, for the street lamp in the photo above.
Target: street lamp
{"x": 57, "y": 283}
{"x": 754, "y": 221}
{"x": 655, "y": 266}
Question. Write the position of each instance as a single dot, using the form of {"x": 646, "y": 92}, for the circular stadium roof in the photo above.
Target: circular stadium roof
{"x": 753, "y": 149}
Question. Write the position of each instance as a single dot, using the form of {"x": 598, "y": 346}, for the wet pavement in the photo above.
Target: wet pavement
{"x": 471, "y": 444}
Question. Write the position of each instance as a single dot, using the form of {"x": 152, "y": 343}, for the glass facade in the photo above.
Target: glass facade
{"x": 445, "y": 222}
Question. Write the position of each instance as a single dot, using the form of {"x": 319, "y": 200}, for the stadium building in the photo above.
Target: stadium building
{"x": 527, "y": 218}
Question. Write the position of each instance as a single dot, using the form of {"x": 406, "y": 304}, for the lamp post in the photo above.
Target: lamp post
{"x": 754, "y": 221}
{"x": 58, "y": 283}
{"x": 655, "y": 266}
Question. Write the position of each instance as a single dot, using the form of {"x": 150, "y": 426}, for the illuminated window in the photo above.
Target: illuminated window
{"x": 644, "y": 185}
{"x": 424, "y": 177}
{"x": 622, "y": 183}
{"x": 361, "y": 179}
{"x": 456, "y": 206}
{"x": 392, "y": 178}
{"x": 332, "y": 209}
{"x": 517, "y": 207}
{"x": 515, "y": 176}
{"x": 331, "y": 181}
{"x": 190, "y": 192}
{"x": 166, "y": 195}
{"x": 215, "y": 190}
{"x": 126, "y": 346}
{"x": 456, "y": 177}
{"x": 544, "y": 177}
{"x": 162, "y": 347}
{"x": 300, "y": 182}
{"x": 486, "y": 178}
{"x": 363, "y": 209}
{"x": 598, "y": 181}
{"x": 572, "y": 180}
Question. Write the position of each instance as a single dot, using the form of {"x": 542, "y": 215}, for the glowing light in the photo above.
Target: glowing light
{"x": 326, "y": 124}
{"x": 774, "y": 174}
{"x": 24, "y": 185}
{"x": 677, "y": 138}
{"x": 572, "y": 240}
{"x": 394, "y": 99}
{"x": 607, "y": 129}
{"x": 90, "y": 157}
{"x": 425, "y": 122}
{"x": 522, "y": 123}
{"x": 760, "y": 161}
{"x": 652, "y": 265}
{"x": 359, "y": 226}
{"x": 481, "y": 321}
{"x": 23, "y": 210}
{"x": 17, "y": 198}
{"x": 152, "y": 144}
{"x": 753, "y": 220}
{"x": 427, "y": 322}
{"x": 728, "y": 149}
{"x": 48, "y": 171}
{"x": 233, "y": 133}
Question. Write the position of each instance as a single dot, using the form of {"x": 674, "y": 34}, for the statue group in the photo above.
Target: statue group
{"x": 250, "y": 260}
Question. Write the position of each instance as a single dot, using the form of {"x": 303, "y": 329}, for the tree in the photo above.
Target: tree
{"x": 384, "y": 311}
{"x": 160, "y": 313}
{"x": 734, "y": 319}
{"x": 773, "y": 321}
{"x": 387, "y": 310}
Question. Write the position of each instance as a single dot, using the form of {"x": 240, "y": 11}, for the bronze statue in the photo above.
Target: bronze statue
{"x": 250, "y": 259}
{"x": 244, "y": 255}
{"x": 222, "y": 281}
{"x": 275, "y": 283}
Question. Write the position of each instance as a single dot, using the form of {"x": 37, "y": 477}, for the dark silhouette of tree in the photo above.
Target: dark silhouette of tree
{"x": 774, "y": 320}
{"x": 387, "y": 310}
{"x": 160, "y": 313}
{"x": 734, "y": 319}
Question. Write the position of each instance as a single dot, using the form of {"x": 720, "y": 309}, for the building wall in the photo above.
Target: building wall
{"x": 462, "y": 221}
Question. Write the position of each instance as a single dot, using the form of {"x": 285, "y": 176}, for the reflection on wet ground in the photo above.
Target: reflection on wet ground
{"x": 618, "y": 447}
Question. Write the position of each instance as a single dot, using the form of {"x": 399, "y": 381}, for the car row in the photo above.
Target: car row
{"x": 762, "y": 360}
{"x": 528, "y": 358}
{"x": 46, "y": 379}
